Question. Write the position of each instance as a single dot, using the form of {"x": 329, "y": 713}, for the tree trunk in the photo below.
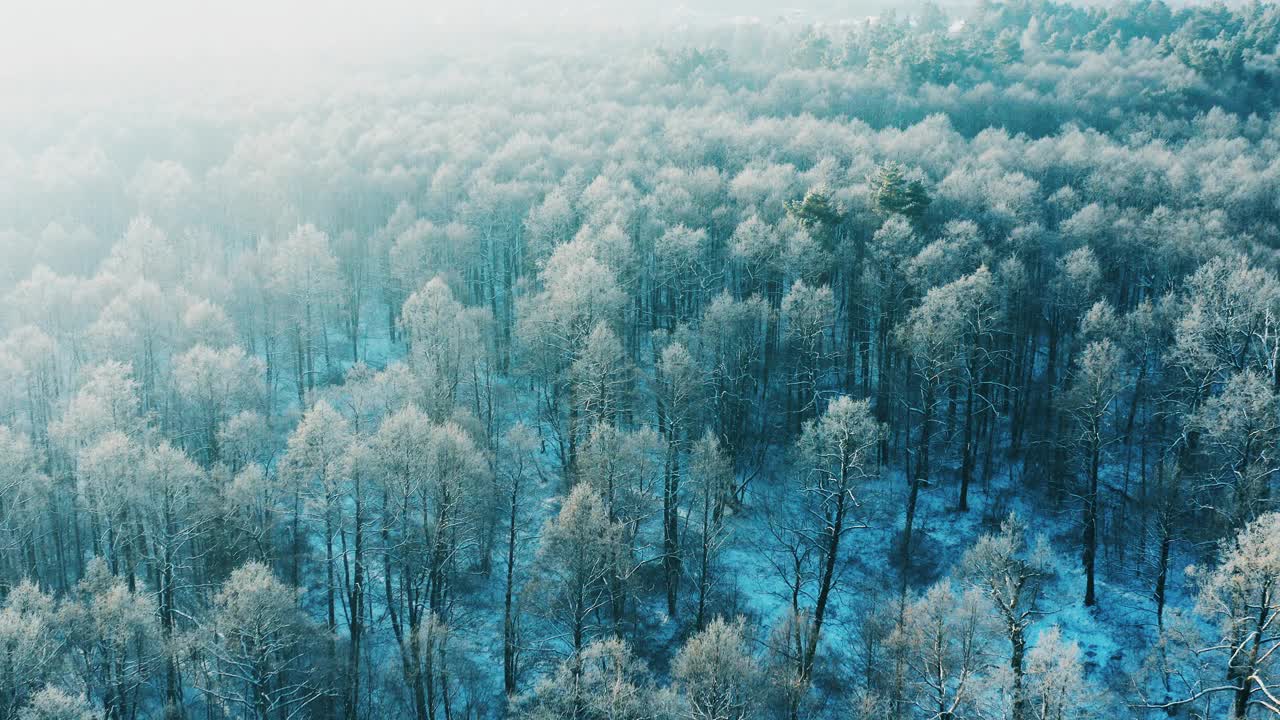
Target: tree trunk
{"x": 356, "y": 624}
{"x": 1091, "y": 517}
{"x": 508, "y": 616}
{"x": 966, "y": 462}
{"x": 670, "y": 525}
{"x": 827, "y": 580}
{"x": 1162, "y": 571}
{"x": 919, "y": 477}
{"x": 705, "y": 559}
{"x": 328, "y": 573}
{"x": 1019, "y": 642}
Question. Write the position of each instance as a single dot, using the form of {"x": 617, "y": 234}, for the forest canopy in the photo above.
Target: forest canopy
{"x": 744, "y": 364}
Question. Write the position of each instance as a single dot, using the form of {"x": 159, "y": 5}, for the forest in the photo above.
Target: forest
{"x": 915, "y": 366}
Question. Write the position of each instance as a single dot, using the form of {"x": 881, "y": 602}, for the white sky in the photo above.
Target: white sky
{"x": 50, "y": 33}
{"x": 72, "y": 53}
{"x": 43, "y": 32}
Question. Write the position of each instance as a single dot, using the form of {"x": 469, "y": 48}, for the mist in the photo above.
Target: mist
{"x": 639, "y": 361}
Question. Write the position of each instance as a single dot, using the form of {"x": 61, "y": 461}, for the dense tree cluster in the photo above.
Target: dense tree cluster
{"x": 893, "y": 368}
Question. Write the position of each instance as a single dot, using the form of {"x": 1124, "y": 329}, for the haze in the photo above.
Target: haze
{"x": 639, "y": 361}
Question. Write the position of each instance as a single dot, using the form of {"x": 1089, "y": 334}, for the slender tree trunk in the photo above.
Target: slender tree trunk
{"x": 919, "y": 477}
{"x": 296, "y": 570}
{"x": 827, "y": 581}
{"x": 356, "y": 624}
{"x": 309, "y": 352}
{"x": 509, "y": 669}
{"x": 421, "y": 707}
{"x": 966, "y": 462}
{"x": 704, "y": 582}
{"x": 1091, "y": 517}
{"x": 670, "y": 526}
{"x": 330, "y": 588}
{"x": 301, "y": 364}
{"x": 173, "y": 692}
{"x": 1162, "y": 570}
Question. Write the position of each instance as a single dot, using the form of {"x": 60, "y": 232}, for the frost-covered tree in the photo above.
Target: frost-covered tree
{"x": 719, "y": 678}
{"x": 808, "y": 314}
{"x": 1095, "y": 383}
{"x": 547, "y": 225}
{"x": 430, "y": 476}
{"x": 137, "y": 326}
{"x": 679, "y": 397}
{"x": 1226, "y": 324}
{"x": 217, "y": 384}
{"x": 305, "y": 272}
{"x": 600, "y": 379}
{"x": 145, "y": 252}
{"x": 207, "y": 323}
{"x": 112, "y": 633}
{"x": 244, "y": 438}
{"x": 106, "y": 483}
{"x": 1070, "y": 294}
{"x": 945, "y": 638}
{"x": 1234, "y": 660}
{"x": 578, "y": 549}
{"x": 1010, "y": 576}
{"x": 686, "y": 272}
{"x": 838, "y": 454}
{"x": 446, "y": 343}
{"x": 24, "y": 498}
{"x": 516, "y": 453}
{"x": 758, "y": 247}
{"x": 29, "y": 645}
{"x": 712, "y": 479}
{"x": 355, "y": 258}
{"x": 604, "y": 681}
{"x": 579, "y": 292}
{"x": 174, "y": 507}
{"x": 314, "y": 464}
{"x": 945, "y": 336}
{"x": 255, "y": 509}
{"x": 1236, "y": 431}
{"x": 257, "y": 647}
{"x": 890, "y": 294}
{"x": 627, "y": 469}
{"x": 732, "y": 337}
{"x": 52, "y": 703}
{"x": 107, "y": 401}
{"x": 1056, "y": 688}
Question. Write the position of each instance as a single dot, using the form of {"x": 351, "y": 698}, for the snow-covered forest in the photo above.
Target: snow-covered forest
{"x": 923, "y": 366}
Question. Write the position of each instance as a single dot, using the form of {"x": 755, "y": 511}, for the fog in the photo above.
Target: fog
{"x": 72, "y": 32}
{"x": 70, "y": 55}
{"x": 704, "y": 360}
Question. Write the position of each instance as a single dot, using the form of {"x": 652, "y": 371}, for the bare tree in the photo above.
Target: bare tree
{"x": 257, "y": 646}
{"x": 1094, "y": 387}
{"x": 719, "y": 678}
{"x": 1011, "y": 577}
{"x": 575, "y": 559}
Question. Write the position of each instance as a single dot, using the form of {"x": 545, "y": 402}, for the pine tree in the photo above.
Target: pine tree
{"x": 893, "y": 194}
